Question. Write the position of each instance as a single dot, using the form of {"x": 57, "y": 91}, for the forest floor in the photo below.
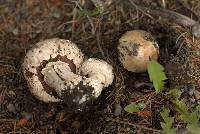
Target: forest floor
{"x": 24, "y": 23}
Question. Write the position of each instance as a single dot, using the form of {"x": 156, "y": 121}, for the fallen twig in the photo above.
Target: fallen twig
{"x": 166, "y": 14}
{"x": 133, "y": 124}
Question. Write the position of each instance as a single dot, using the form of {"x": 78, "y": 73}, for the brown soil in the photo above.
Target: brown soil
{"x": 24, "y": 23}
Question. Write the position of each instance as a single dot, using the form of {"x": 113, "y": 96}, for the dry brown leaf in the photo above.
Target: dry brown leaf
{"x": 144, "y": 113}
{"x": 61, "y": 116}
{"x": 21, "y": 122}
{"x": 64, "y": 132}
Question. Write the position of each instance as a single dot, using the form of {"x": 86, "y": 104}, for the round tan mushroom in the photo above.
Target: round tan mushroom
{"x": 98, "y": 74}
{"x": 44, "y": 64}
{"x": 135, "y": 49}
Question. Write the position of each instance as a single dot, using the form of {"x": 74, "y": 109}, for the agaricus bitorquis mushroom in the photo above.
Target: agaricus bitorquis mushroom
{"x": 53, "y": 70}
{"x": 135, "y": 49}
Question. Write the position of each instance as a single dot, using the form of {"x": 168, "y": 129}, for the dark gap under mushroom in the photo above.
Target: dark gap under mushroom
{"x": 73, "y": 98}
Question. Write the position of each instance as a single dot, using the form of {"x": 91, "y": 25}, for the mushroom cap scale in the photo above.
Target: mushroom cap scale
{"x": 98, "y": 69}
{"x": 50, "y": 50}
{"x": 135, "y": 49}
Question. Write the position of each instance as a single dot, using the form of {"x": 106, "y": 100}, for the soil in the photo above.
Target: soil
{"x": 24, "y": 23}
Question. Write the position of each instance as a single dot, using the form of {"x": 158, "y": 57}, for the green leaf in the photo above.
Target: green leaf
{"x": 156, "y": 75}
{"x": 168, "y": 121}
{"x": 198, "y": 108}
{"x": 141, "y": 105}
{"x": 133, "y": 107}
{"x": 194, "y": 129}
{"x": 194, "y": 118}
{"x": 90, "y": 13}
{"x": 181, "y": 107}
{"x": 190, "y": 118}
{"x": 175, "y": 93}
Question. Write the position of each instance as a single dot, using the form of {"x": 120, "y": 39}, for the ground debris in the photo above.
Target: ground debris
{"x": 25, "y": 22}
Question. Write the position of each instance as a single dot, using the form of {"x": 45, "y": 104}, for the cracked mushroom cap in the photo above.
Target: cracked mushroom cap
{"x": 97, "y": 74}
{"x": 51, "y": 66}
{"x": 135, "y": 49}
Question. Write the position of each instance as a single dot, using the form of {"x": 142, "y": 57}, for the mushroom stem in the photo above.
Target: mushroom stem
{"x": 60, "y": 77}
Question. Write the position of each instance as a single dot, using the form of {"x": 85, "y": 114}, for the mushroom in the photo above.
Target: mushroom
{"x": 52, "y": 69}
{"x": 98, "y": 74}
{"x": 95, "y": 76}
{"x": 46, "y": 60}
{"x": 135, "y": 49}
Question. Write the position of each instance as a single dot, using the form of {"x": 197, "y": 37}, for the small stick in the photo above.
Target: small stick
{"x": 99, "y": 44}
{"x": 186, "y": 6}
{"x": 171, "y": 16}
{"x": 163, "y": 2}
{"x": 167, "y": 15}
{"x": 133, "y": 124}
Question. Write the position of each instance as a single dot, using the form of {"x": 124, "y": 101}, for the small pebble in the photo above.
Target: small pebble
{"x": 117, "y": 109}
{"x": 41, "y": 123}
{"x": 11, "y": 108}
{"x": 192, "y": 100}
{"x": 189, "y": 88}
{"x": 128, "y": 129}
{"x": 11, "y": 93}
{"x": 15, "y": 31}
{"x": 198, "y": 53}
{"x": 197, "y": 94}
{"x": 196, "y": 30}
